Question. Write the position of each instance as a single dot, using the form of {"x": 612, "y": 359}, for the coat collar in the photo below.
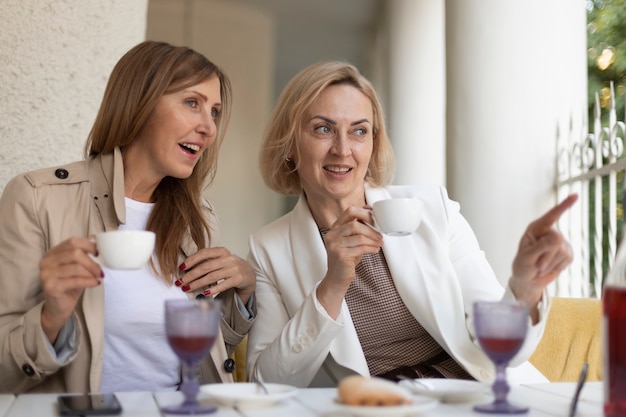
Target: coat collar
{"x": 106, "y": 176}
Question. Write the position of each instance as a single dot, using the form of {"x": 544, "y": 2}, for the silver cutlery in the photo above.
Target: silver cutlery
{"x": 259, "y": 384}
{"x": 579, "y": 386}
{"x": 415, "y": 382}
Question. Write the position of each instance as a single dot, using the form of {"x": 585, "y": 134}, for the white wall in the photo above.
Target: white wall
{"x": 55, "y": 59}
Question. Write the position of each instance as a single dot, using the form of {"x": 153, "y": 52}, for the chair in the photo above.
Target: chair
{"x": 572, "y": 336}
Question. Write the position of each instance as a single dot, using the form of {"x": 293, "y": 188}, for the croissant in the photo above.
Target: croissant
{"x": 371, "y": 391}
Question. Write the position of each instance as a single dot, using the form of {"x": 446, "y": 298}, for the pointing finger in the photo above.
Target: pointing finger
{"x": 545, "y": 222}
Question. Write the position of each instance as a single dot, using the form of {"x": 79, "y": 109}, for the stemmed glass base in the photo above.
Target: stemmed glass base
{"x": 187, "y": 409}
{"x": 190, "y": 388}
{"x": 500, "y": 407}
{"x": 500, "y": 390}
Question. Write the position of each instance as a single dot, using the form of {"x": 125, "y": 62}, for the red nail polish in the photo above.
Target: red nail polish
{"x": 101, "y": 274}
{"x": 186, "y": 288}
{"x": 182, "y": 266}
{"x": 207, "y": 292}
{"x": 178, "y": 283}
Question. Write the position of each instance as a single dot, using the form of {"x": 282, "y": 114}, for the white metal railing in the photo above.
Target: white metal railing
{"x": 592, "y": 165}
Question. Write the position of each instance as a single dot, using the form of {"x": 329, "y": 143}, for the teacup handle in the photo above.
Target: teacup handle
{"x": 96, "y": 260}
{"x": 374, "y": 226}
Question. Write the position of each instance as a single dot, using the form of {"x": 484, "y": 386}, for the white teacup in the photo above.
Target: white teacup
{"x": 125, "y": 249}
{"x": 398, "y": 216}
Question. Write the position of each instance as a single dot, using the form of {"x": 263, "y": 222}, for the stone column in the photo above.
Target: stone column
{"x": 516, "y": 73}
{"x": 416, "y": 68}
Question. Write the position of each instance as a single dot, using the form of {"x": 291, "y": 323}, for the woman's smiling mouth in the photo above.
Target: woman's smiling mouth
{"x": 337, "y": 170}
{"x": 190, "y": 147}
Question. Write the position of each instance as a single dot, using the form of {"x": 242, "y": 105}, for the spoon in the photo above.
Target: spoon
{"x": 416, "y": 382}
{"x": 259, "y": 384}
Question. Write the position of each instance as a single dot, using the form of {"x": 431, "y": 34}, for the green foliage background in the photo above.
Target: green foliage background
{"x": 606, "y": 30}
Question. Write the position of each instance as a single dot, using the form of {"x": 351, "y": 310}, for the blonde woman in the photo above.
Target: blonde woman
{"x": 338, "y": 298}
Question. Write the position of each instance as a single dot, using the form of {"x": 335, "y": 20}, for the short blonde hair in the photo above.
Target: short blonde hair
{"x": 283, "y": 131}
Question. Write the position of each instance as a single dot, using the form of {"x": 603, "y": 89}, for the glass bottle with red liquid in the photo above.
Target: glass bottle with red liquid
{"x": 614, "y": 334}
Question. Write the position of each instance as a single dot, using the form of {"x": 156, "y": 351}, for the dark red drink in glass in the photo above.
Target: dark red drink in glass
{"x": 500, "y": 350}
{"x": 614, "y": 316}
{"x": 191, "y": 349}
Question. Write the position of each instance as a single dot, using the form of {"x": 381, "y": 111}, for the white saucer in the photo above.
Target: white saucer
{"x": 419, "y": 404}
{"x": 447, "y": 390}
{"x": 248, "y": 394}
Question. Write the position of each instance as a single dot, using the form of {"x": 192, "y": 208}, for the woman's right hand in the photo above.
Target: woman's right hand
{"x": 346, "y": 242}
{"x": 65, "y": 271}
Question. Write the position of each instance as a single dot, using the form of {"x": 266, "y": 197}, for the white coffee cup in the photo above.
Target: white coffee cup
{"x": 125, "y": 249}
{"x": 398, "y": 216}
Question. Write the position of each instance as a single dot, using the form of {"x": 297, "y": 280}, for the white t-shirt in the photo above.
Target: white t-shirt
{"x": 137, "y": 356}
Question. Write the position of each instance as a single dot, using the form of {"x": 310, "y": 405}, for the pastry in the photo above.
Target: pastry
{"x": 371, "y": 391}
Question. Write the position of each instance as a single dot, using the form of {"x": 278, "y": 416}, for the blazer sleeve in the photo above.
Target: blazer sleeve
{"x": 234, "y": 325}
{"x": 286, "y": 350}
{"x": 477, "y": 279}
{"x": 25, "y": 357}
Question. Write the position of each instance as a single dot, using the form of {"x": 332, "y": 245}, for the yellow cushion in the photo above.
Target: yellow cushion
{"x": 239, "y": 355}
{"x": 572, "y": 336}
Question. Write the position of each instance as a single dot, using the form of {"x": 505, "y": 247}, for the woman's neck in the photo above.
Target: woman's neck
{"x": 326, "y": 212}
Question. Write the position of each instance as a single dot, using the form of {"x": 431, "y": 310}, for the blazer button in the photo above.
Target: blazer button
{"x": 229, "y": 366}
{"x": 61, "y": 173}
{"x": 28, "y": 370}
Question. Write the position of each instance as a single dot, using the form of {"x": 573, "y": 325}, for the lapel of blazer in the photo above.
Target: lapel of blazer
{"x": 106, "y": 181}
{"x": 310, "y": 266}
{"x": 427, "y": 284}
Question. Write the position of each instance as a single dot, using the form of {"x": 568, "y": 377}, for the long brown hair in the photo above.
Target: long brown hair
{"x": 138, "y": 80}
{"x": 283, "y": 131}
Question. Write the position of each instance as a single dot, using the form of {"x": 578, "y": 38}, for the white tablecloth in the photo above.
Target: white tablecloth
{"x": 545, "y": 400}
{"x": 5, "y": 402}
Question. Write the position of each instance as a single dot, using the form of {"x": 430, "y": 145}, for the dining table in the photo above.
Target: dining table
{"x": 547, "y": 399}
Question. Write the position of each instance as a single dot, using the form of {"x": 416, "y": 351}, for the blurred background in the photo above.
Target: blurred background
{"x": 475, "y": 93}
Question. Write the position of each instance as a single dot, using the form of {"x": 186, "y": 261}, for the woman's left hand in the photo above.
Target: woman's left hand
{"x": 543, "y": 253}
{"x": 219, "y": 269}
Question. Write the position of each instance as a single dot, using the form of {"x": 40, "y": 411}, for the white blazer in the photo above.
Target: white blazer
{"x": 439, "y": 271}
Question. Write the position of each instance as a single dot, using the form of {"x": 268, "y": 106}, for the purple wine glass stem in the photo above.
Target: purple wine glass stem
{"x": 500, "y": 386}
{"x": 190, "y": 386}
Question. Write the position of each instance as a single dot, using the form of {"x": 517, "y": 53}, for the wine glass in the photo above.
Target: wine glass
{"x": 191, "y": 327}
{"x": 501, "y": 329}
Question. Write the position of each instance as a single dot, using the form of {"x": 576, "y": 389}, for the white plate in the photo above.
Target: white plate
{"x": 447, "y": 390}
{"x": 419, "y": 404}
{"x": 248, "y": 394}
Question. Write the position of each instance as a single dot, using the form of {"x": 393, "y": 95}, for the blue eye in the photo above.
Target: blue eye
{"x": 215, "y": 112}
{"x": 361, "y": 131}
{"x": 192, "y": 102}
{"x": 323, "y": 130}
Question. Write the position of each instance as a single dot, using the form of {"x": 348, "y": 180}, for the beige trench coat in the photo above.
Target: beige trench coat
{"x": 38, "y": 210}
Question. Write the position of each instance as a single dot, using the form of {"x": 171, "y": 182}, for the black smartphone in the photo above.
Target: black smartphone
{"x": 89, "y": 405}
